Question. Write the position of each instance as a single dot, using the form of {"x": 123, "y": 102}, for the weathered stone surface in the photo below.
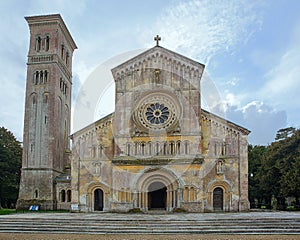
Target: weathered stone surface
{"x": 158, "y": 150}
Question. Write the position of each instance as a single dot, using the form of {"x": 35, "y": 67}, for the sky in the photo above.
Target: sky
{"x": 250, "y": 50}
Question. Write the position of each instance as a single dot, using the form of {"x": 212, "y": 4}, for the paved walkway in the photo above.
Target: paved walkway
{"x": 181, "y": 226}
{"x": 157, "y": 215}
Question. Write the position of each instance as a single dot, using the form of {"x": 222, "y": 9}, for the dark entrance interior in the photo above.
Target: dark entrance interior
{"x": 218, "y": 199}
{"x": 98, "y": 200}
{"x": 157, "y": 196}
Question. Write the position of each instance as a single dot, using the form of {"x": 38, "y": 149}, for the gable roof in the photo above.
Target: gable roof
{"x": 154, "y": 52}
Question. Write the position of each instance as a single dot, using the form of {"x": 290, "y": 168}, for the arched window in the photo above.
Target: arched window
{"x": 143, "y": 148}
{"x": 157, "y": 148}
{"x": 69, "y": 196}
{"x": 178, "y": 148}
{"x": 62, "y": 51}
{"x": 41, "y": 77}
{"x": 38, "y": 43}
{"x": 47, "y": 43}
{"x": 136, "y": 148}
{"x": 36, "y": 77}
{"x": 36, "y": 194}
{"x": 128, "y": 149}
{"x": 150, "y": 148}
{"x": 172, "y": 148}
{"x": 67, "y": 58}
{"x": 45, "y": 76}
{"x": 165, "y": 148}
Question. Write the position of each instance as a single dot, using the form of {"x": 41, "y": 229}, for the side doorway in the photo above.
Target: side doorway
{"x": 98, "y": 200}
{"x": 218, "y": 199}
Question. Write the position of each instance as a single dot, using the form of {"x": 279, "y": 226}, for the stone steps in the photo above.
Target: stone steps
{"x": 147, "y": 224}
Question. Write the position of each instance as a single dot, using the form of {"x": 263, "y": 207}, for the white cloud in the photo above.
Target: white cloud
{"x": 202, "y": 29}
{"x": 284, "y": 78}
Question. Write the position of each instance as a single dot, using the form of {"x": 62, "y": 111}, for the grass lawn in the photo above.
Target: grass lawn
{"x": 5, "y": 211}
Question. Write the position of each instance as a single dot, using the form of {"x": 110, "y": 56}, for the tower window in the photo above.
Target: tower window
{"x": 45, "y": 76}
{"x": 41, "y": 77}
{"x": 38, "y": 43}
{"x": 33, "y": 99}
{"x": 62, "y": 51}
{"x": 47, "y": 43}
{"x": 67, "y": 58}
{"x": 36, "y": 77}
{"x": 61, "y": 83}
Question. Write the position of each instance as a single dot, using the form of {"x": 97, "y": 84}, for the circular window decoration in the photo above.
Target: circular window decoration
{"x": 157, "y": 111}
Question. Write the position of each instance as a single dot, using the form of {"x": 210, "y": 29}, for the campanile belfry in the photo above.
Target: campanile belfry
{"x": 47, "y": 109}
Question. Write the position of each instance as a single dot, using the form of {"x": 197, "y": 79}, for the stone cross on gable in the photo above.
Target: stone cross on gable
{"x": 157, "y": 39}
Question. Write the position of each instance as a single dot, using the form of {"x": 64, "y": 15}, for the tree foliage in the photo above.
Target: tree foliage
{"x": 276, "y": 169}
{"x": 10, "y": 165}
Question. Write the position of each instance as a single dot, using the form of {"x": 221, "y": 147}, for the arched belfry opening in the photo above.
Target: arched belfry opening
{"x": 157, "y": 196}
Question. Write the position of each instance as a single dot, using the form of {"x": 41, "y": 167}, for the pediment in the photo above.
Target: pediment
{"x": 158, "y": 58}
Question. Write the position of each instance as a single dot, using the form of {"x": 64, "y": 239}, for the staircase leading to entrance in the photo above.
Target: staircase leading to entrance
{"x": 108, "y": 223}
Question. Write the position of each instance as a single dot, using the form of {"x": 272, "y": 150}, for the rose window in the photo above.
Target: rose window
{"x": 157, "y": 111}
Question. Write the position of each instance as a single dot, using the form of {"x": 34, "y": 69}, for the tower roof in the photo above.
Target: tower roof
{"x": 52, "y": 18}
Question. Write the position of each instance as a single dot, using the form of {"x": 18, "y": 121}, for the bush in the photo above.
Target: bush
{"x": 179, "y": 210}
{"x": 135, "y": 210}
{"x": 291, "y": 208}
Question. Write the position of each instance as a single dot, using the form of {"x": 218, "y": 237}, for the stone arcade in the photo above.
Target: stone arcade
{"x": 158, "y": 150}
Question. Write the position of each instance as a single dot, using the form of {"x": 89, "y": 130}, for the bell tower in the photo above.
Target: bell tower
{"x": 47, "y": 110}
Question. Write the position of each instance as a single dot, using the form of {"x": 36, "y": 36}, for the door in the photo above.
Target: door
{"x": 218, "y": 199}
{"x": 98, "y": 200}
{"x": 157, "y": 196}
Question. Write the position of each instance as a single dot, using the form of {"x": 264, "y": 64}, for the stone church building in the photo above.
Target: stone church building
{"x": 159, "y": 149}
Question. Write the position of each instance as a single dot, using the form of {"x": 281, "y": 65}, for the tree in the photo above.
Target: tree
{"x": 10, "y": 167}
{"x": 256, "y": 155}
{"x": 275, "y": 169}
{"x": 284, "y": 133}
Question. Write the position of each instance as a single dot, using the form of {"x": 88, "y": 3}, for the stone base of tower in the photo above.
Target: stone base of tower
{"x": 42, "y": 204}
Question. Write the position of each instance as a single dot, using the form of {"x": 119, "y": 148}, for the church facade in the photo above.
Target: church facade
{"x": 159, "y": 150}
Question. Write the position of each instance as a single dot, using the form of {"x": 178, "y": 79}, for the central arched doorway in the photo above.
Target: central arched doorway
{"x": 157, "y": 196}
{"x": 98, "y": 200}
{"x": 218, "y": 199}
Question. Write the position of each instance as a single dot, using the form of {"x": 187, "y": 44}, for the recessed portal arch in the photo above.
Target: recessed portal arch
{"x": 154, "y": 184}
